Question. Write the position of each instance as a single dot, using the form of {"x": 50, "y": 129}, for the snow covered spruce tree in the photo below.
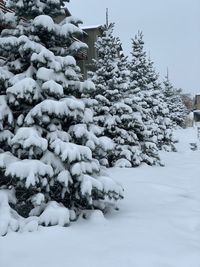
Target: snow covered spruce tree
{"x": 159, "y": 110}
{"x": 141, "y": 97}
{"x": 177, "y": 109}
{"x": 112, "y": 114}
{"x": 48, "y": 176}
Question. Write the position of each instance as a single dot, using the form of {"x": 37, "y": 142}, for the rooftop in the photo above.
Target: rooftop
{"x": 91, "y": 27}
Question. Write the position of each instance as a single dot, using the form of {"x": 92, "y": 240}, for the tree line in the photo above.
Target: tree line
{"x": 57, "y": 131}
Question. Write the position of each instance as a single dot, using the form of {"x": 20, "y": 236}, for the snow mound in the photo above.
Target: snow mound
{"x": 123, "y": 163}
{"x": 29, "y": 224}
{"x": 55, "y": 214}
{"x": 96, "y": 217}
{"x": 9, "y": 219}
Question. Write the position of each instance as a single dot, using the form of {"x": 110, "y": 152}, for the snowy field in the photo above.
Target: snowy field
{"x": 158, "y": 224}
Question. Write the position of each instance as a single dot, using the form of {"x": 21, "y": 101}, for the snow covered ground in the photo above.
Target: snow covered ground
{"x": 158, "y": 224}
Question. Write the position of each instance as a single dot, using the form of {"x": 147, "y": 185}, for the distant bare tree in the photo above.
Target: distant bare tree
{"x": 188, "y": 101}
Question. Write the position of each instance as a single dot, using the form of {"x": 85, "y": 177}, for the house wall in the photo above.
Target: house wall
{"x": 197, "y": 102}
{"x": 90, "y": 38}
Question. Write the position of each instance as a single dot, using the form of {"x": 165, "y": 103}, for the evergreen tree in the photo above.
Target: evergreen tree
{"x": 113, "y": 114}
{"x": 159, "y": 110}
{"x": 141, "y": 96}
{"x": 177, "y": 109}
{"x": 46, "y": 169}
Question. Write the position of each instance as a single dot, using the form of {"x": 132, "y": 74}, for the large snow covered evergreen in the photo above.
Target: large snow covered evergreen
{"x": 113, "y": 114}
{"x": 47, "y": 172}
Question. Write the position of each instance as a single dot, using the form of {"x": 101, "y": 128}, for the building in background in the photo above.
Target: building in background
{"x": 81, "y": 54}
{"x": 85, "y": 56}
{"x": 197, "y": 108}
{"x": 188, "y": 101}
{"x": 90, "y": 36}
{"x": 197, "y": 102}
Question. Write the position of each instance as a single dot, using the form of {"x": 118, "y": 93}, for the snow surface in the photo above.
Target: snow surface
{"x": 157, "y": 225}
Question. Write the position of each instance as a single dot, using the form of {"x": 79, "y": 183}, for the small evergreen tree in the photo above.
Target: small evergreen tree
{"x": 177, "y": 109}
{"x": 46, "y": 169}
{"x": 159, "y": 110}
{"x": 141, "y": 95}
{"x": 113, "y": 114}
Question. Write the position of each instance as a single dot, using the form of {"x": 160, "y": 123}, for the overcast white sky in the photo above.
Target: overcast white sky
{"x": 171, "y": 32}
